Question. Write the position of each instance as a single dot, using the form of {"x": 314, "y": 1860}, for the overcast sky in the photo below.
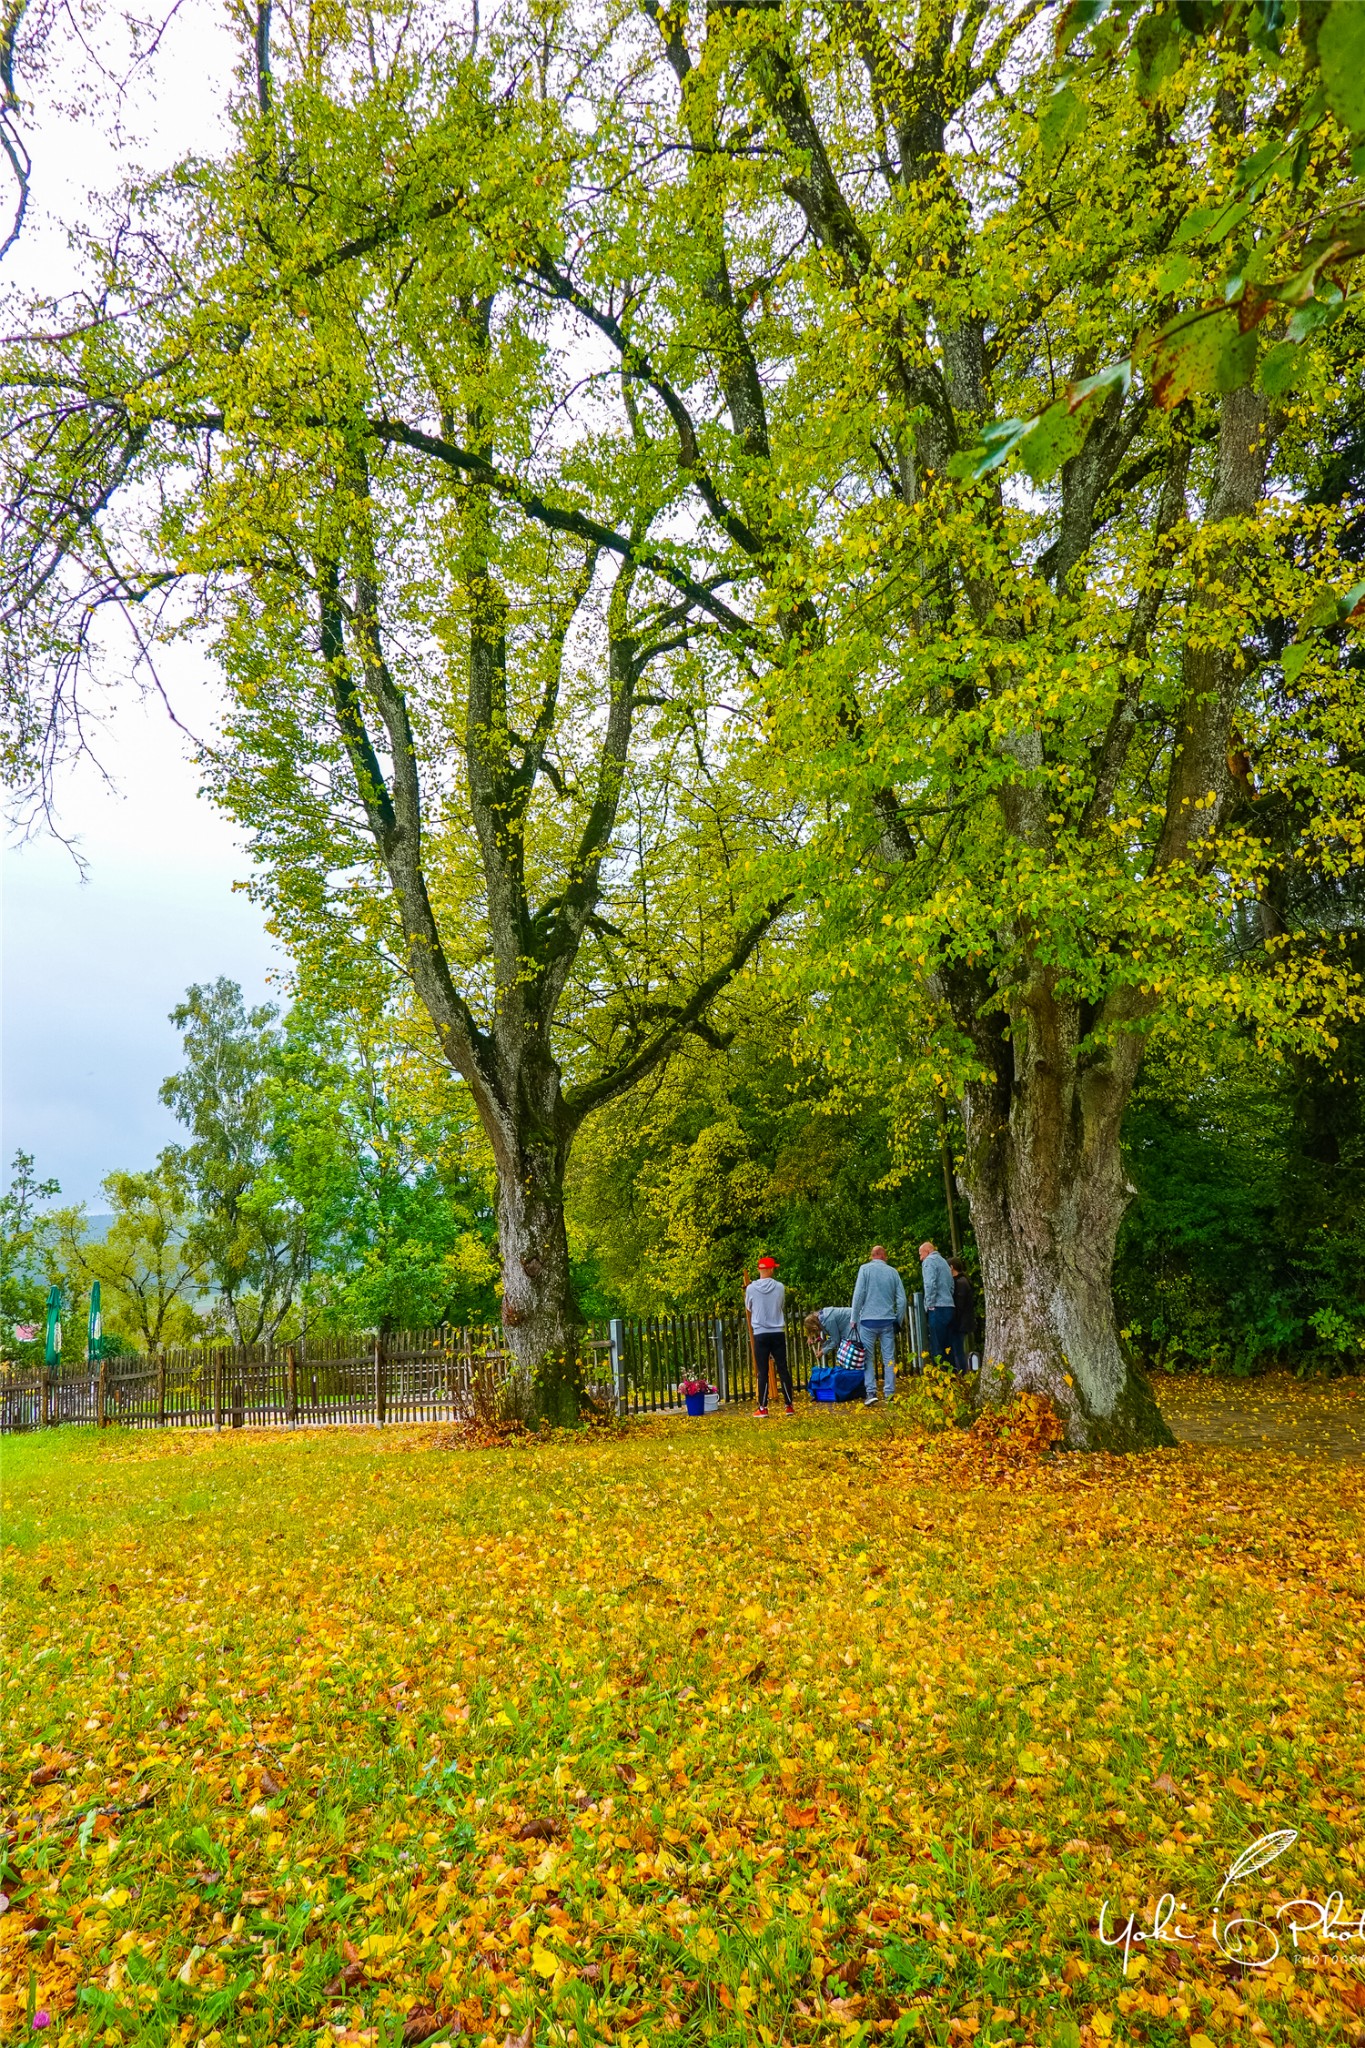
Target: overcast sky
{"x": 91, "y": 969}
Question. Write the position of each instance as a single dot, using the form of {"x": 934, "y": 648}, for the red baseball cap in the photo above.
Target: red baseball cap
{"x": 769, "y": 1262}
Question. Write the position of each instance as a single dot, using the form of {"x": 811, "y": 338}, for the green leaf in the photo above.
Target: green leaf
{"x": 1078, "y": 16}
{"x": 1065, "y": 2034}
{"x": 1236, "y": 359}
{"x": 1211, "y": 223}
{"x": 1320, "y": 311}
{"x": 1259, "y": 162}
{"x": 1061, "y": 122}
{"x": 1052, "y": 440}
{"x": 1156, "y": 53}
{"x": 1120, "y": 373}
{"x": 1328, "y": 609}
{"x": 1295, "y": 658}
{"x": 1281, "y": 368}
{"x": 1263, "y": 28}
{"x": 1341, "y": 53}
{"x": 1178, "y": 273}
{"x": 1201, "y": 352}
{"x": 998, "y": 442}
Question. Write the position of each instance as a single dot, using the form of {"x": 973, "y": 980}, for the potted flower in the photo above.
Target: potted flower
{"x": 699, "y": 1395}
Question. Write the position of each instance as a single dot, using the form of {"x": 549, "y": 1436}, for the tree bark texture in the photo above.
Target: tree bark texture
{"x": 1047, "y": 1192}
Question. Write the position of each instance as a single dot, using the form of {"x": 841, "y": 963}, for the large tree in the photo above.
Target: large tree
{"x": 874, "y": 348}
{"x": 475, "y": 727}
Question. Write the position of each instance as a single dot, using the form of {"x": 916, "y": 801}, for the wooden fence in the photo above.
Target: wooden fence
{"x": 635, "y": 1363}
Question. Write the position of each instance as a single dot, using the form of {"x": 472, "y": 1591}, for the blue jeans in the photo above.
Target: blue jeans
{"x": 869, "y": 1333}
{"x": 940, "y": 1321}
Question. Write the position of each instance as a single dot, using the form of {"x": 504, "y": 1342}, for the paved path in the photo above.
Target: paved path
{"x": 1318, "y": 1419}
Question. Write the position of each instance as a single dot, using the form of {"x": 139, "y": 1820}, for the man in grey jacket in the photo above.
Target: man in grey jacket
{"x": 938, "y": 1300}
{"x": 878, "y": 1310}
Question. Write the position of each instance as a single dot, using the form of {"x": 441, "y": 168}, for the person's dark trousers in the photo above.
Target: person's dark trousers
{"x": 772, "y": 1344}
{"x": 962, "y": 1341}
{"x": 940, "y": 1321}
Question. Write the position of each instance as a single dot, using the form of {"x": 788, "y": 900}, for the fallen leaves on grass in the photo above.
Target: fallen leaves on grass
{"x": 671, "y": 1734}
{"x": 421, "y": 2022}
{"x": 1012, "y": 1436}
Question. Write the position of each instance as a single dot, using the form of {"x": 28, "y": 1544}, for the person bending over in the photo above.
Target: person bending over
{"x": 826, "y": 1329}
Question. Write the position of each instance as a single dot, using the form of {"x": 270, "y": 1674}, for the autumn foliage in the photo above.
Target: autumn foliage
{"x": 1015, "y": 1434}
{"x": 712, "y": 1731}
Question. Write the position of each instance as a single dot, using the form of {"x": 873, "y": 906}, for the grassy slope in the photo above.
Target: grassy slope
{"x": 835, "y": 1742}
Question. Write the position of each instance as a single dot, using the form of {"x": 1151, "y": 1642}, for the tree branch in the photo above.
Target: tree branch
{"x": 1112, "y": 751}
{"x": 394, "y": 820}
{"x": 580, "y": 1102}
{"x": 563, "y": 519}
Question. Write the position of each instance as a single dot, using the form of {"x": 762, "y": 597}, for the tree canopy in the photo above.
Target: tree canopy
{"x": 651, "y": 473}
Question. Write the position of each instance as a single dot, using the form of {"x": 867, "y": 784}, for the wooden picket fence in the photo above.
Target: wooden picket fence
{"x": 634, "y": 1364}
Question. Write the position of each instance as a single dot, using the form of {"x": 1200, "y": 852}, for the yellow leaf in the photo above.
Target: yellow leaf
{"x": 543, "y": 1963}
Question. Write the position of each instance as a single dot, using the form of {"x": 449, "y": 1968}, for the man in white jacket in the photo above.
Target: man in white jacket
{"x": 879, "y": 1307}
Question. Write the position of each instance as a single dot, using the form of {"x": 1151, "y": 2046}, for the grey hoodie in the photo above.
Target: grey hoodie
{"x": 766, "y": 1301}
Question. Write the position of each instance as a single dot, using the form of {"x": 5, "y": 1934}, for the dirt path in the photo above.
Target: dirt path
{"x": 1318, "y": 1419}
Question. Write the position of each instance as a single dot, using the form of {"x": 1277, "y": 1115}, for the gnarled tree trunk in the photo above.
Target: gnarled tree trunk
{"x": 1047, "y": 1189}
{"x": 540, "y": 1316}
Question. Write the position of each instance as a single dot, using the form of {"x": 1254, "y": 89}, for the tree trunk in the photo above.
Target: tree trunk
{"x": 1047, "y": 1191}
{"x": 539, "y": 1311}
{"x": 531, "y": 1137}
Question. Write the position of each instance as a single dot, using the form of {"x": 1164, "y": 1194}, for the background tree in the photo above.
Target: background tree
{"x": 373, "y": 1143}
{"x": 247, "y": 1234}
{"x": 25, "y": 1242}
{"x": 677, "y": 1189}
{"x": 150, "y": 1273}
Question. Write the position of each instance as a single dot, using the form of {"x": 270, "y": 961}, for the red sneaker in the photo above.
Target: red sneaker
{"x": 763, "y": 1414}
{"x": 790, "y": 1409}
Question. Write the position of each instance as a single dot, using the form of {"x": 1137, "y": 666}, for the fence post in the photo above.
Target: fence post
{"x": 218, "y": 1386}
{"x": 722, "y": 1370}
{"x": 101, "y": 1409}
{"x": 291, "y": 1401}
{"x": 380, "y": 1402}
{"x": 161, "y": 1390}
{"x": 918, "y": 1332}
{"x": 616, "y": 1330}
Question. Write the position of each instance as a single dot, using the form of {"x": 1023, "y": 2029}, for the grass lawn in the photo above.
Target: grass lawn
{"x": 720, "y": 1730}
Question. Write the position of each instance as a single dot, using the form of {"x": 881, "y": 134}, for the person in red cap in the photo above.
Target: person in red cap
{"x": 765, "y": 1301}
